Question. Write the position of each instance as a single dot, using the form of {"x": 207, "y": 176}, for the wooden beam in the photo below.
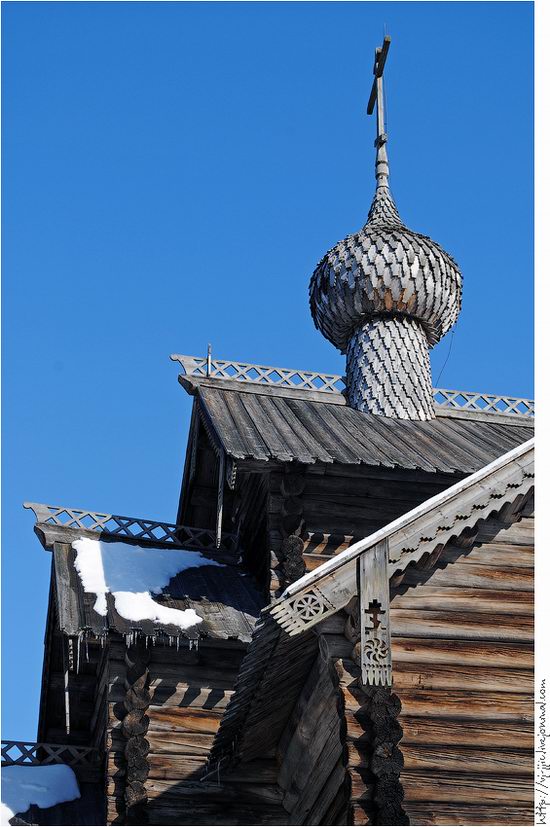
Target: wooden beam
{"x": 374, "y": 599}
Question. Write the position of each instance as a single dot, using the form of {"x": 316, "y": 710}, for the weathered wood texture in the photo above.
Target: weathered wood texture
{"x": 462, "y": 645}
{"x": 372, "y": 755}
{"x": 312, "y": 775}
{"x": 166, "y": 748}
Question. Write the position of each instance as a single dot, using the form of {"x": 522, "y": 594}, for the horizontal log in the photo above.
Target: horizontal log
{"x": 428, "y": 814}
{"x": 171, "y": 674}
{"x": 462, "y": 653}
{"x": 467, "y": 705}
{"x": 462, "y": 599}
{"x": 182, "y": 695}
{"x": 507, "y": 735}
{"x": 465, "y": 787}
{"x": 192, "y": 744}
{"x": 183, "y": 720}
{"x": 491, "y": 554}
{"x": 455, "y": 705}
{"x": 519, "y": 533}
{"x": 425, "y": 759}
{"x": 473, "y": 577}
{"x": 477, "y": 678}
{"x": 174, "y": 719}
{"x": 464, "y": 625}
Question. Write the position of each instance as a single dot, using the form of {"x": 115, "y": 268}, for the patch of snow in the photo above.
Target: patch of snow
{"x": 43, "y": 786}
{"x": 132, "y": 574}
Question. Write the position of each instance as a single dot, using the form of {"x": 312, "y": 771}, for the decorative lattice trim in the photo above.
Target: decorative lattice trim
{"x": 486, "y": 402}
{"x": 136, "y": 528}
{"x": 334, "y": 384}
{"x": 30, "y": 753}
{"x": 260, "y": 374}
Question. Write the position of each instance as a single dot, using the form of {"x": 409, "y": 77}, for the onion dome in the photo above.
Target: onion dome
{"x": 385, "y": 269}
{"x": 384, "y": 296}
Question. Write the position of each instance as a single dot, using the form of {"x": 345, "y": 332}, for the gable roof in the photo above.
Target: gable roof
{"x": 503, "y": 486}
{"x": 252, "y": 424}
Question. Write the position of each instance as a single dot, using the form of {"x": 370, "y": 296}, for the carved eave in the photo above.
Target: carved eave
{"x": 416, "y": 535}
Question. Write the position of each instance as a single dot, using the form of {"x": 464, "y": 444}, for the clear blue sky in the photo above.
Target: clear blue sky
{"x": 172, "y": 174}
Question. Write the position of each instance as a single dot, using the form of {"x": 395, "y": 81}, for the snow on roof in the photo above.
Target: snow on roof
{"x": 132, "y": 574}
{"x": 43, "y": 786}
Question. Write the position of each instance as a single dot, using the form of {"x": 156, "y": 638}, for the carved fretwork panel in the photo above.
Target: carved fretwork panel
{"x": 374, "y": 616}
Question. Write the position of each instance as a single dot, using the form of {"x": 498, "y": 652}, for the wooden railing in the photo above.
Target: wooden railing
{"x": 135, "y": 528}
{"x": 31, "y": 753}
{"x": 330, "y": 383}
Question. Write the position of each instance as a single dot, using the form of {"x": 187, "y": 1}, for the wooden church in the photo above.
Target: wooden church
{"x": 338, "y": 627}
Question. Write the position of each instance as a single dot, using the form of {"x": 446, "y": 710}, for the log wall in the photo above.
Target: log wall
{"x": 462, "y": 646}
{"x": 188, "y": 692}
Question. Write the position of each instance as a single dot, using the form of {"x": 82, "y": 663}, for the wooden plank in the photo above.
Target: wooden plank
{"x": 312, "y": 418}
{"x": 312, "y": 447}
{"x": 374, "y": 616}
{"x": 427, "y": 759}
{"x": 461, "y": 787}
{"x": 477, "y": 678}
{"x": 463, "y": 599}
{"x": 469, "y": 705}
{"x": 427, "y": 814}
{"x": 463, "y": 653}
{"x": 328, "y": 793}
{"x": 250, "y": 436}
{"x": 519, "y": 533}
{"x": 491, "y": 554}
{"x": 472, "y": 625}
{"x": 473, "y": 577}
{"x": 177, "y": 719}
{"x": 275, "y": 445}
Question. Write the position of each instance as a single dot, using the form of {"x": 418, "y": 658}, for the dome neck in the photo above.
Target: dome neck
{"x": 383, "y": 211}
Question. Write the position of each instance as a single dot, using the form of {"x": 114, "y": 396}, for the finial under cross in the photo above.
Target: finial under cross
{"x": 377, "y": 97}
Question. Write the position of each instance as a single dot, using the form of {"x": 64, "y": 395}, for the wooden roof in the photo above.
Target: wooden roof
{"x": 225, "y": 597}
{"x": 253, "y": 423}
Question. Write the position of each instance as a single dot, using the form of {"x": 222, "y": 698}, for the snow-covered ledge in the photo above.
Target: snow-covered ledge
{"x": 23, "y": 786}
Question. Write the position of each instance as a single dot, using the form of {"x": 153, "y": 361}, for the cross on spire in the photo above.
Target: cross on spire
{"x": 377, "y": 97}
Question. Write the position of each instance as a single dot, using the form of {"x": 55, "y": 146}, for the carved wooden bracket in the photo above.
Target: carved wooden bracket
{"x": 374, "y": 616}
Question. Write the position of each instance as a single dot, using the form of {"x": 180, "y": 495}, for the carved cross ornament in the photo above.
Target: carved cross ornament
{"x": 374, "y": 616}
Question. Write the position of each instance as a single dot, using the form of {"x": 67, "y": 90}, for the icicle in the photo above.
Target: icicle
{"x": 78, "y": 652}
{"x": 86, "y": 638}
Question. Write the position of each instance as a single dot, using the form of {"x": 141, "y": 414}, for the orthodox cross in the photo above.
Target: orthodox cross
{"x": 375, "y": 610}
{"x": 377, "y": 97}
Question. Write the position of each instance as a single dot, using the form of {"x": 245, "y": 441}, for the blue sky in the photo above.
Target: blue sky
{"x": 172, "y": 173}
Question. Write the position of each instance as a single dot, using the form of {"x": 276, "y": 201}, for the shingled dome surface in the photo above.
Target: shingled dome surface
{"x": 385, "y": 269}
